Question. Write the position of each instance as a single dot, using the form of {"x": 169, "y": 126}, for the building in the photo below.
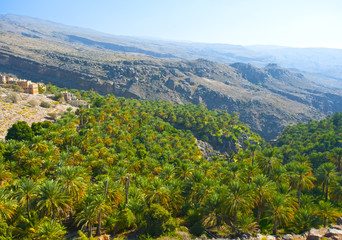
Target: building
{"x": 69, "y": 96}
{"x": 3, "y": 79}
{"x": 73, "y": 100}
{"x": 33, "y": 89}
{"x": 11, "y": 80}
{"x": 27, "y": 86}
{"x": 78, "y": 102}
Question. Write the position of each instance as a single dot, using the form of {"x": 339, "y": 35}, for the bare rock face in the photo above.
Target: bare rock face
{"x": 267, "y": 98}
{"x": 207, "y": 150}
{"x": 104, "y": 237}
{"x": 338, "y": 227}
{"x": 334, "y": 234}
{"x": 316, "y": 234}
{"x": 288, "y": 237}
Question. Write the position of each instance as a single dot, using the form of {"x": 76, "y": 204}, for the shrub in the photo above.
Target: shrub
{"x": 13, "y": 97}
{"x": 59, "y": 97}
{"x": 40, "y": 89}
{"x": 20, "y": 131}
{"x": 36, "y": 127}
{"x": 157, "y": 221}
{"x": 32, "y": 103}
{"x": 17, "y": 88}
{"x": 45, "y": 104}
{"x": 52, "y": 115}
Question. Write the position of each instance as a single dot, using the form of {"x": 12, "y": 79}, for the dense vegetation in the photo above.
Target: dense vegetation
{"x": 128, "y": 165}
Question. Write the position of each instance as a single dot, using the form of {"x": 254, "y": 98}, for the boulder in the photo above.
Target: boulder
{"x": 104, "y": 237}
{"x": 334, "y": 234}
{"x": 288, "y": 237}
{"x": 339, "y": 227}
{"x": 316, "y": 234}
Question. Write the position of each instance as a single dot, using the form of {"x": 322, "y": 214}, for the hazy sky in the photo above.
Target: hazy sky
{"x": 299, "y": 23}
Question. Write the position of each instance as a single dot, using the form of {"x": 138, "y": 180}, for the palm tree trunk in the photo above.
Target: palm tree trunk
{"x": 259, "y": 215}
{"x": 28, "y": 204}
{"x": 325, "y": 222}
{"x": 275, "y": 227}
{"x": 326, "y": 192}
{"x": 299, "y": 193}
{"x": 235, "y": 218}
{"x": 90, "y": 233}
{"x": 98, "y": 230}
{"x": 127, "y": 188}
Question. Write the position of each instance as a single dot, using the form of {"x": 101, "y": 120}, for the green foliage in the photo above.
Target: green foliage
{"x": 20, "y": 131}
{"x": 149, "y": 151}
{"x": 45, "y": 104}
{"x": 157, "y": 221}
{"x": 40, "y": 89}
{"x": 49, "y": 229}
{"x": 59, "y": 97}
{"x": 36, "y": 127}
{"x": 315, "y": 139}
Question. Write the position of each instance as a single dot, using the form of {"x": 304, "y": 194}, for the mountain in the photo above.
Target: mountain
{"x": 266, "y": 96}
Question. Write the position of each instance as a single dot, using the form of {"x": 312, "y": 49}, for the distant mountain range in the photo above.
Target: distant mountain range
{"x": 269, "y": 87}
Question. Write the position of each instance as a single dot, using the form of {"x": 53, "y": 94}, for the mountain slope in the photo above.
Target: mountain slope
{"x": 322, "y": 61}
{"x": 267, "y": 98}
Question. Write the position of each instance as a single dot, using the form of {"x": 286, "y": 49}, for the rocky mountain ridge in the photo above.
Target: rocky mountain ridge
{"x": 266, "y": 98}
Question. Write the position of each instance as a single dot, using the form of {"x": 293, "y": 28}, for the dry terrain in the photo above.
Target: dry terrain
{"x": 25, "y": 107}
{"x": 266, "y": 97}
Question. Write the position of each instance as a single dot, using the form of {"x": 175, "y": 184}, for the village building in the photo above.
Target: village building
{"x": 3, "y": 79}
{"x": 73, "y": 100}
{"x": 27, "y": 86}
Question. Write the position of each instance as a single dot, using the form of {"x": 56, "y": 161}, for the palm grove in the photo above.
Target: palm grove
{"x": 128, "y": 165}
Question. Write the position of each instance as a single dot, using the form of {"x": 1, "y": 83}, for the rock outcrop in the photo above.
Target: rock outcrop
{"x": 266, "y": 98}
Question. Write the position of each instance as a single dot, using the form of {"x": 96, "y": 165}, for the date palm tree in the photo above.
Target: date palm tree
{"x": 325, "y": 174}
{"x": 327, "y": 211}
{"x": 50, "y": 229}
{"x": 238, "y": 198}
{"x": 8, "y": 205}
{"x": 336, "y": 156}
{"x": 87, "y": 216}
{"x": 253, "y": 149}
{"x": 268, "y": 160}
{"x": 336, "y": 189}
{"x": 52, "y": 200}
{"x": 100, "y": 205}
{"x": 264, "y": 190}
{"x": 212, "y": 212}
{"x": 25, "y": 191}
{"x": 5, "y": 173}
{"x": 300, "y": 177}
{"x": 73, "y": 180}
{"x": 281, "y": 210}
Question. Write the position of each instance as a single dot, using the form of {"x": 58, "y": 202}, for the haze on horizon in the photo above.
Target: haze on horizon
{"x": 293, "y": 23}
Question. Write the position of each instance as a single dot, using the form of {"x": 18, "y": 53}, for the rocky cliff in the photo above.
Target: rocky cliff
{"x": 266, "y": 98}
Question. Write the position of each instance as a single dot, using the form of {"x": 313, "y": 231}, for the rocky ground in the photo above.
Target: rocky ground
{"x": 333, "y": 232}
{"x": 15, "y": 106}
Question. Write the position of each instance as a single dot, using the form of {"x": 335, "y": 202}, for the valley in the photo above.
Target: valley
{"x": 267, "y": 98}
{"x": 115, "y": 137}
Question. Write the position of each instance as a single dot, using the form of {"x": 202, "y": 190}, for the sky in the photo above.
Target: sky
{"x": 294, "y": 23}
